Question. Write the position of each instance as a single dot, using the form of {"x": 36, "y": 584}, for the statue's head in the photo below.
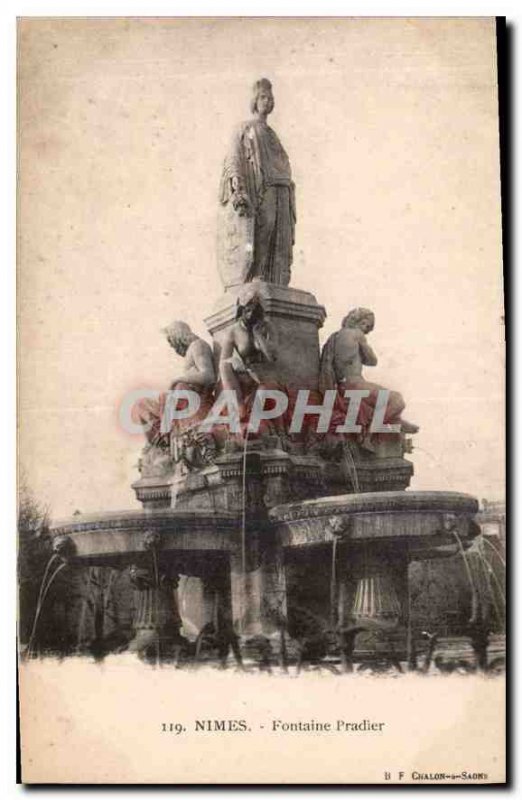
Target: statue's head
{"x": 179, "y": 336}
{"x": 262, "y": 101}
{"x": 249, "y": 307}
{"x": 361, "y": 318}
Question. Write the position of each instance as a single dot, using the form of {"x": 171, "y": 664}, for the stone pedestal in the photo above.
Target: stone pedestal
{"x": 295, "y": 316}
{"x": 278, "y": 477}
{"x": 258, "y": 594}
{"x": 286, "y": 477}
{"x": 157, "y": 621}
{"x": 257, "y": 578}
{"x": 259, "y": 608}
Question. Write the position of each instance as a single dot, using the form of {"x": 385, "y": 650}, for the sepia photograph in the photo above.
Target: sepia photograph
{"x": 261, "y": 400}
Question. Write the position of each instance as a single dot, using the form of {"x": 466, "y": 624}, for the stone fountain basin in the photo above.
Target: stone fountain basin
{"x": 423, "y": 523}
{"x": 112, "y": 536}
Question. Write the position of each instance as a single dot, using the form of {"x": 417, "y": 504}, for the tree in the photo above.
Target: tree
{"x": 34, "y": 551}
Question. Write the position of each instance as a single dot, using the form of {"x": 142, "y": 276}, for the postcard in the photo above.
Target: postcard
{"x": 262, "y": 524}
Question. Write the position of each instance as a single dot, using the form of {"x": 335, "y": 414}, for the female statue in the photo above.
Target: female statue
{"x": 257, "y": 218}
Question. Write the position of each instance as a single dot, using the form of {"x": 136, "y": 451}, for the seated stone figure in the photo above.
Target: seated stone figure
{"x": 342, "y": 360}
{"x": 198, "y": 374}
{"x": 249, "y": 355}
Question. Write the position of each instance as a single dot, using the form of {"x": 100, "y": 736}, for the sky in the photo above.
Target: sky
{"x": 392, "y": 132}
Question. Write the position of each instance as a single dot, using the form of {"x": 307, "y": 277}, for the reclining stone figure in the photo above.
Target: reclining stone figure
{"x": 198, "y": 375}
{"x": 342, "y": 360}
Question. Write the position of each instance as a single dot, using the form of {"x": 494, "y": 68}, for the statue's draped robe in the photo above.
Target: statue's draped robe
{"x": 151, "y": 413}
{"x": 257, "y": 158}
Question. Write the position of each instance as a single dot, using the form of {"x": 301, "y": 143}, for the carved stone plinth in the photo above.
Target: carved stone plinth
{"x": 286, "y": 477}
{"x": 295, "y": 317}
{"x": 154, "y": 492}
{"x": 278, "y": 477}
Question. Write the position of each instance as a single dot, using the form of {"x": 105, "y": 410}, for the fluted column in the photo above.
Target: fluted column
{"x": 376, "y": 601}
{"x": 373, "y": 598}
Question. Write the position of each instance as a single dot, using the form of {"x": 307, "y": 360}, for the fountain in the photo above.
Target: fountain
{"x": 300, "y": 529}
